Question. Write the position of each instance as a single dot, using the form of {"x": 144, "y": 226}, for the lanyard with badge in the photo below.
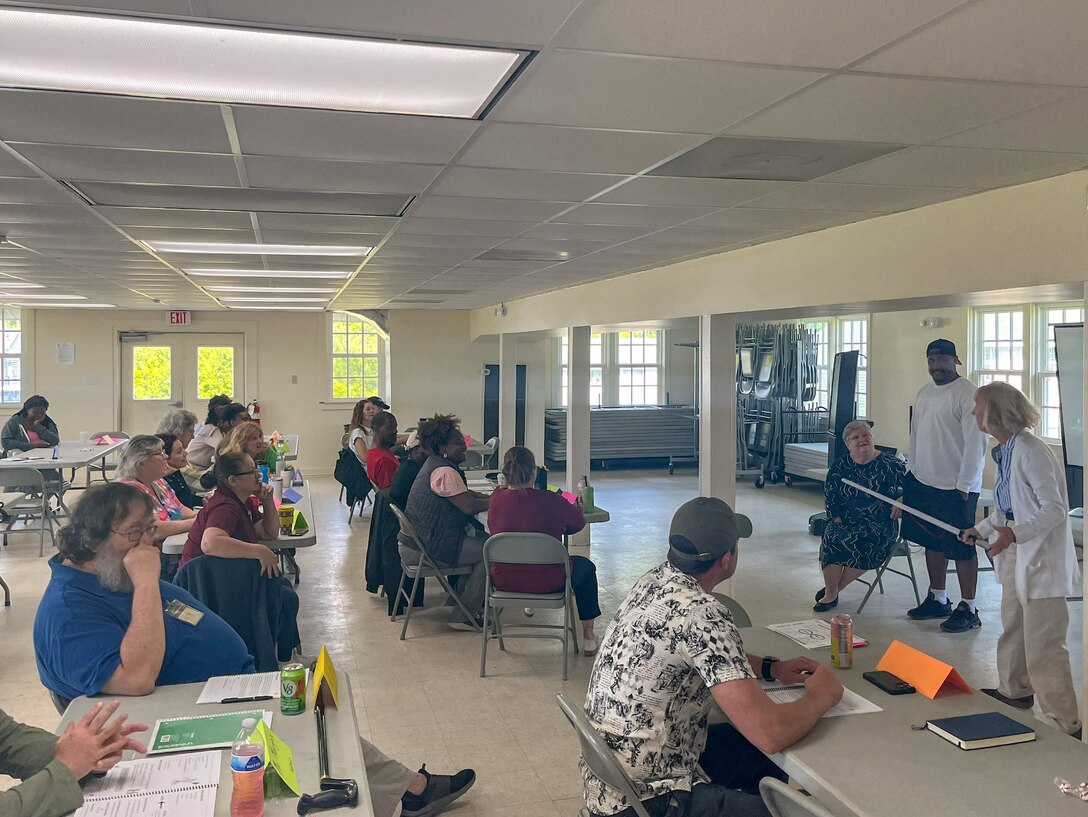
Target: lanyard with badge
{"x": 183, "y": 612}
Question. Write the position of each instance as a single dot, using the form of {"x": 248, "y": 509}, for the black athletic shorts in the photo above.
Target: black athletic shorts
{"x": 948, "y": 506}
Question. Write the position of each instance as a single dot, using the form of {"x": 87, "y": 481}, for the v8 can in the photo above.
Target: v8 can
{"x": 293, "y": 689}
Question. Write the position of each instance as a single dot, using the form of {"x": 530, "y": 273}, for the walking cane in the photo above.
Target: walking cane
{"x": 335, "y": 791}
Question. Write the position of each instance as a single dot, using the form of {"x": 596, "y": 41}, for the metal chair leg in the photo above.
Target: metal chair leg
{"x": 397, "y": 597}
{"x": 408, "y": 608}
{"x": 7, "y": 593}
{"x": 913, "y": 578}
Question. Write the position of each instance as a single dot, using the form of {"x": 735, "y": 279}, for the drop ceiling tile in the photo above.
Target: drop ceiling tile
{"x": 594, "y": 90}
{"x": 709, "y": 192}
{"x": 326, "y": 223}
{"x": 485, "y": 182}
{"x": 194, "y": 219}
{"x": 892, "y": 109}
{"x": 1005, "y": 40}
{"x": 46, "y": 214}
{"x": 307, "y": 237}
{"x": 744, "y": 217}
{"x": 824, "y": 35}
{"x": 183, "y": 234}
{"x": 588, "y": 232}
{"x": 352, "y": 136}
{"x": 573, "y": 248}
{"x": 1060, "y": 126}
{"x": 697, "y": 237}
{"x": 633, "y": 214}
{"x": 857, "y": 197}
{"x": 541, "y": 147}
{"x": 469, "y": 242}
{"x": 960, "y": 167}
{"x": 357, "y": 177}
{"x": 126, "y": 165}
{"x": 61, "y": 118}
{"x": 463, "y": 207}
{"x": 456, "y": 226}
{"x": 32, "y": 191}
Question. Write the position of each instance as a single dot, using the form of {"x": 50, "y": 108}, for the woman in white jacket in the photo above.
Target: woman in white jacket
{"x": 1031, "y": 543}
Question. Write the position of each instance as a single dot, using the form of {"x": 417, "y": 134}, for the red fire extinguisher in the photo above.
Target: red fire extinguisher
{"x": 254, "y": 409}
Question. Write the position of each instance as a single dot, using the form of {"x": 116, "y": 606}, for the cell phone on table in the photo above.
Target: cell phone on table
{"x": 892, "y": 684}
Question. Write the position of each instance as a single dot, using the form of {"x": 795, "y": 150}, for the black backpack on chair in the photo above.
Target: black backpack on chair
{"x": 350, "y": 473}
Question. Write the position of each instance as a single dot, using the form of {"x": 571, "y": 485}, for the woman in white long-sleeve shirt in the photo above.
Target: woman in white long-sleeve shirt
{"x": 1031, "y": 544}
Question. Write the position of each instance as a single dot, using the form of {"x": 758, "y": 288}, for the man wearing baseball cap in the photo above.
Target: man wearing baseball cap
{"x": 944, "y": 478}
{"x": 671, "y": 648}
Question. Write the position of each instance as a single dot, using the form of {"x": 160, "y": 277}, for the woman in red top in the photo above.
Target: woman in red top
{"x": 521, "y": 508}
{"x": 381, "y": 463}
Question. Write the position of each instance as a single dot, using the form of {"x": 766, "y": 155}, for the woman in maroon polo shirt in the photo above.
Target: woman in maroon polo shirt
{"x": 521, "y": 508}
{"x": 381, "y": 462}
{"x": 228, "y": 525}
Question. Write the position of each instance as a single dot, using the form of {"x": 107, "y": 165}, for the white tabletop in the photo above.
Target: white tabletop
{"x": 69, "y": 455}
{"x": 298, "y": 731}
{"x": 486, "y": 486}
{"x": 875, "y": 765}
{"x": 174, "y": 545}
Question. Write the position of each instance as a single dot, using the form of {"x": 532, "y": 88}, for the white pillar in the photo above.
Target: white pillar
{"x": 577, "y": 405}
{"x": 718, "y": 407}
{"x": 1084, "y": 574}
{"x": 508, "y": 380}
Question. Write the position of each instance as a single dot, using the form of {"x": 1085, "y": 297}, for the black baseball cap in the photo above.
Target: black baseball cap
{"x": 704, "y": 529}
{"x": 942, "y": 346}
{"x": 377, "y": 401}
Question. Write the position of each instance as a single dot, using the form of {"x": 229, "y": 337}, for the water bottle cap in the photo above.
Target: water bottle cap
{"x": 249, "y": 723}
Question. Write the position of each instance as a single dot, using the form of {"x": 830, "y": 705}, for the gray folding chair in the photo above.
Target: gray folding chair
{"x": 600, "y": 759}
{"x": 533, "y": 549}
{"x": 30, "y": 501}
{"x": 740, "y": 615}
{"x": 102, "y": 467}
{"x": 782, "y": 801}
{"x": 425, "y": 568}
{"x": 900, "y": 548}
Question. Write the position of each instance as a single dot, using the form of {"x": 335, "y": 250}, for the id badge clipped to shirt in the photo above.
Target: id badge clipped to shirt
{"x": 183, "y": 612}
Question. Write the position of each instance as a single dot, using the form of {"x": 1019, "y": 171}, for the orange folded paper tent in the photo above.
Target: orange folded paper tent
{"x": 928, "y": 675}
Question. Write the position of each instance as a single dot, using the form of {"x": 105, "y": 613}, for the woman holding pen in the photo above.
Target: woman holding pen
{"x": 1031, "y": 543}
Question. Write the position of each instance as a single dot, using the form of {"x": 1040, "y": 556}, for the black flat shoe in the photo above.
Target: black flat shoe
{"x": 820, "y": 593}
{"x": 822, "y": 607}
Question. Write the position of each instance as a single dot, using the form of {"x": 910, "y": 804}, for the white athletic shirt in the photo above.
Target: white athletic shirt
{"x": 947, "y": 450}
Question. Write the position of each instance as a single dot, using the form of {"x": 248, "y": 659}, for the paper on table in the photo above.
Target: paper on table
{"x": 201, "y": 731}
{"x": 172, "y": 786}
{"x": 812, "y": 634}
{"x": 851, "y": 703}
{"x": 244, "y": 687}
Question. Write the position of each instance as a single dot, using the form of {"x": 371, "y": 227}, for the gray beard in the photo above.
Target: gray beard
{"x": 110, "y": 565}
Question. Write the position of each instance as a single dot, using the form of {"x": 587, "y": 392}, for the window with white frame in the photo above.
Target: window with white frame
{"x": 821, "y": 331}
{"x": 625, "y": 368}
{"x": 358, "y": 356}
{"x": 834, "y": 335}
{"x": 1047, "y": 379}
{"x": 999, "y": 346}
{"x": 854, "y": 335}
{"x": 11, "y": 356}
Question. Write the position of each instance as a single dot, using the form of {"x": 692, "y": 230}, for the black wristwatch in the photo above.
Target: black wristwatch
{"x": 766, "y": 671}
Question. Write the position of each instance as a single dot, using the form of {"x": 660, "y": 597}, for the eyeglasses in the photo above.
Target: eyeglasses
{"x": 254, "y": 473}
{"x": 136, "y": 534}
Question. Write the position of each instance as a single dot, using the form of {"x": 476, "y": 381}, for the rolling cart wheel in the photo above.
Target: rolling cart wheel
{"x": 787, "y": 481}
{"x": 760, "y": 482}
{"x": 774, "y": 477}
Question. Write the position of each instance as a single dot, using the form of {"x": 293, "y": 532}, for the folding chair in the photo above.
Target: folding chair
{"x": 31, "y": 501}
{"x": 740, "y": 615}
{"x": 782, "y": 801}
{"x": 533, "y": 549}
{"x": 900, "y": 548}
{"x": 425, "y": 568}
{"x": 600, "y": 759}
{"x": 102, "y": 467}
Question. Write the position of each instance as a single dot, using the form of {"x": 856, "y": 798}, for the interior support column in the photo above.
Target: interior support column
{"x": 508, "y": 406}
{"x": 578, "y": 412}
{"x": 718, "y": 407}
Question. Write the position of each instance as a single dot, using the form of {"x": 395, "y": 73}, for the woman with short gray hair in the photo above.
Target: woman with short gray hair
{"x": 860, "y": 529}
{"x": 143, "y": 464}
{"x": 181, "y": 423}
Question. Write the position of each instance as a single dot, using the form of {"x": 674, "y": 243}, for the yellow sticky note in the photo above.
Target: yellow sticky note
{"x": 325, "y": 678}
{"x": 278, "y": 757}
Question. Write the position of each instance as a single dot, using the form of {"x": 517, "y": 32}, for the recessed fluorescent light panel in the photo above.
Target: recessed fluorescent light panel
{"x": 276, "y": 300}
{"x": 276, "y": 290}
{"x": 215, "y": 63}
{"x": 224, "y": 248}
{"x": 19, "y": 285}
{"x": 54, "y": 305}
{"x": 27, "y": 296}
{"x": 208, "y": 272}
{"x": 282, "y": 308}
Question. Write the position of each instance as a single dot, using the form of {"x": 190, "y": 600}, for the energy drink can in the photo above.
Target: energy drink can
{"x": 842, "y": 641}
{"x": 293, "y": 689}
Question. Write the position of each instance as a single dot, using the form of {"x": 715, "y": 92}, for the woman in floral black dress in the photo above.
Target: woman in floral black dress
{"x": 860, "y": 528}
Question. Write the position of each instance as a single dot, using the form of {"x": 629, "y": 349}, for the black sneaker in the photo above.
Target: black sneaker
{"x": 961, "y": 620}
{"x": 1027, "y": 702}
{"x": 442, "y": 789}
{"x": 930, "y": 608}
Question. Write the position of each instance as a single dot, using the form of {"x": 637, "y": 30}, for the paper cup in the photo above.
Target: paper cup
{"x": 84, "y": 438}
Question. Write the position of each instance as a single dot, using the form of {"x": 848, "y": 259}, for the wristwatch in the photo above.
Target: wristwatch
{"x": 766, "y": 671}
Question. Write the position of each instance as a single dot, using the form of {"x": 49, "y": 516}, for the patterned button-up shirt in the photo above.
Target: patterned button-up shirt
{"x": 649, "y": 694}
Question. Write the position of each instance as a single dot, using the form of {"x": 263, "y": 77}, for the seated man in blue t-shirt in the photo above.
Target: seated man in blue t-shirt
{"x": 106, "y": 623}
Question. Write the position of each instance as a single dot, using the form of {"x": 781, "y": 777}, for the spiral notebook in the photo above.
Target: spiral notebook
{"x": 172, "y": 786}
{"x": 201, "y": 731}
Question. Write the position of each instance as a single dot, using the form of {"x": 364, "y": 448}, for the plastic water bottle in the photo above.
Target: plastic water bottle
{"x": 247, "y": 771}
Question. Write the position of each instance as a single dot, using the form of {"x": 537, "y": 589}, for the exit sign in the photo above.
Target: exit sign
{"x": 180, "y": 317}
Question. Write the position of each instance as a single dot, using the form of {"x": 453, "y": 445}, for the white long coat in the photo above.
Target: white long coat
{"x": 1046, "y": 564}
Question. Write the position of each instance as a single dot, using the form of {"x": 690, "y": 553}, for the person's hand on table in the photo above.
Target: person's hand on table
{"x": 823, "y": 684}
{"x": 41, "y": 444}
{"x": 143, "y": 565}
{"x": 95, "y": 744}
{"x": 793, "y": 670}
{"x": 270, "y": 562}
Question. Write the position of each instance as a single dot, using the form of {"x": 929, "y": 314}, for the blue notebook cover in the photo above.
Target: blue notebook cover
{"x": 982, "y": 730}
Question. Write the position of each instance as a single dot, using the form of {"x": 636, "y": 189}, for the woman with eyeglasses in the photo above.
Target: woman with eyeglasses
{"x": 228, "y": 525}
{"x": 144, "y": 465}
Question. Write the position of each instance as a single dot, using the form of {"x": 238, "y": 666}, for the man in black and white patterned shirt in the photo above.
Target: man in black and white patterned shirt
{"x": 670, "y": 648}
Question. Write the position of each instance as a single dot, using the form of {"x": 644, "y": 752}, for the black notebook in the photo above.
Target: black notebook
{"x": 981, "y": 731}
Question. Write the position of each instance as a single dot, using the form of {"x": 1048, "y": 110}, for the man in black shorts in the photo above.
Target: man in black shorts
{"x": 944, "y": 477}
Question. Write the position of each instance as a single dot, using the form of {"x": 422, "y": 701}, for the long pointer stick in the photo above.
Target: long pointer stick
{"x": 912, "y": 511}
